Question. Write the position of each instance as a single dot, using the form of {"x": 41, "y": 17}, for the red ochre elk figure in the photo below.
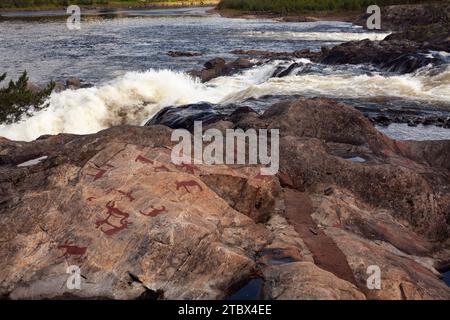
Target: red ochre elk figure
{"x": 155, "y": 212}
{"x": 128, "y": 195}
{"x": 188, "y": 167}
{"x": 100, "y": 173}
{"x": 162, "y": 168}
{"x": 140, "y": 158}
{"x": 113, "y": 212}
{"x": 187, "y": 184}
{"x": 72, "y": 250}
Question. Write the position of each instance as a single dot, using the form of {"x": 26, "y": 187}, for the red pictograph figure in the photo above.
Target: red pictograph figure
{"x": 90, "y": 199}
{"x": 155, "y": 212}
{"x": 100, "y": 173}
{"x": 72, "y": 250}
{"x": 140, "y": 158}
{"x": 188, "y": 167}
{"x": 127, "y": 194}
{"x": 187, "y": 184}
{"x": 113, "y": 212}
{"x": 162, "y": 168}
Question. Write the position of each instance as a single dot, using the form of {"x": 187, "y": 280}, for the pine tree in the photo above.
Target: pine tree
{"x": 17, "y": 100}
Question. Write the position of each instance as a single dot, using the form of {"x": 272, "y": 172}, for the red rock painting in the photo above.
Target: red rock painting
{"x": 188, "y": 167}
{"x": 113, "y": 212}
{"x": 100, "y": 173}
{"x": 128, "y": 195}
{"x": 155, "y": 212}
{"x": 187, "y": 184}
{"x": 162, "y": 168}
{"x": 90, "y": 199}
{"x": 144, "y": 160}
{"x": 71, "y": 250}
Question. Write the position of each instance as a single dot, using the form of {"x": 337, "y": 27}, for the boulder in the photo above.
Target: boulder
{"x": 400, "y": 55}
{"x": 305, "y": 281}
{"x": 151, "y": 234}
{"x": 183, "y": 117}
{"x": 218, "y": 67}
{"x": 177, "y": 54}
{"x": 73, "y": 83}
{"x": 346, "y": 198}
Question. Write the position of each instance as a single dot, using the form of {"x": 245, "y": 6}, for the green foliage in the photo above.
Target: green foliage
{"x": 17, "y": 99}
{"x": 285, "y": 6}
{"x": 51, "y": 3}
{"x": 60, "y": 3}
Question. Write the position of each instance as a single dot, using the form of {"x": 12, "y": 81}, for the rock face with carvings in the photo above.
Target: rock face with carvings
{"x": 134, "y": 223}
{"x": 138, "y": 226}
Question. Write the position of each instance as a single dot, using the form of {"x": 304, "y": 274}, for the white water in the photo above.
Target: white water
{"x": 136, "y": 97}
{"x": 402, "y": 131}
{"x": 318, "y": 36}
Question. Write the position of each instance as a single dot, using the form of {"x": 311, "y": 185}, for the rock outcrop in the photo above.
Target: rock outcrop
{"x": 346, "y": 198}
{"x": 218, "y": 67}
{"x": 178, "y": 54}
{"x": 401, "y": 56}
{"x": 304, "y": 53}
{"x": 152, "y": 232}
{"x": 417, "y": 30}
{"x": 406, "y": 17}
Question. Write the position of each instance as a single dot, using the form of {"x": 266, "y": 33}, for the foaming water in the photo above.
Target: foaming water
{"x": 318, "y": 36}
{"x": 127, "y": 100}
{"x": 137, "y": 96}
{"x": 410, "y": 86}
{"x": 402, "y": 131}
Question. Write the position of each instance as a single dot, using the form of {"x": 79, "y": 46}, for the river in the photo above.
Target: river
{"x": 124, "y": 56}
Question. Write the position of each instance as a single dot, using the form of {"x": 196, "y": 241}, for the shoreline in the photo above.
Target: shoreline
{"x": 112, "y": 7}
{"x": 312, "y": 16}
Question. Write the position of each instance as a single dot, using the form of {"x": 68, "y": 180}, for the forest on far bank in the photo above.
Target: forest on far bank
{"x": 285, "y": 6}
{"x": 60, "y": 3}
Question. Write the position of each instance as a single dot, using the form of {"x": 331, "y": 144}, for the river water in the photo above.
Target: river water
{"x": 125, "y": 57}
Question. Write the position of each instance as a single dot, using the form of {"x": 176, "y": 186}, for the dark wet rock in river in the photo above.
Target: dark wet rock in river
{"x": 114, "y": 201}
{"x": 215, "y": 63}
{"x": 430, "y": 37}
{"x": 409, "y": 62}
{"x": 177, "y": 54}
{"x": 402, "y": 56}
{"x": 218, "y": 67}
{"x": 73, "y": 83}
{"x": 283, "y": 72}
{"x": 183, "y": 117}
{"x": 388, "y": 117}
{"x": 303, "y": 53}
{"x": 419, "y": 29}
